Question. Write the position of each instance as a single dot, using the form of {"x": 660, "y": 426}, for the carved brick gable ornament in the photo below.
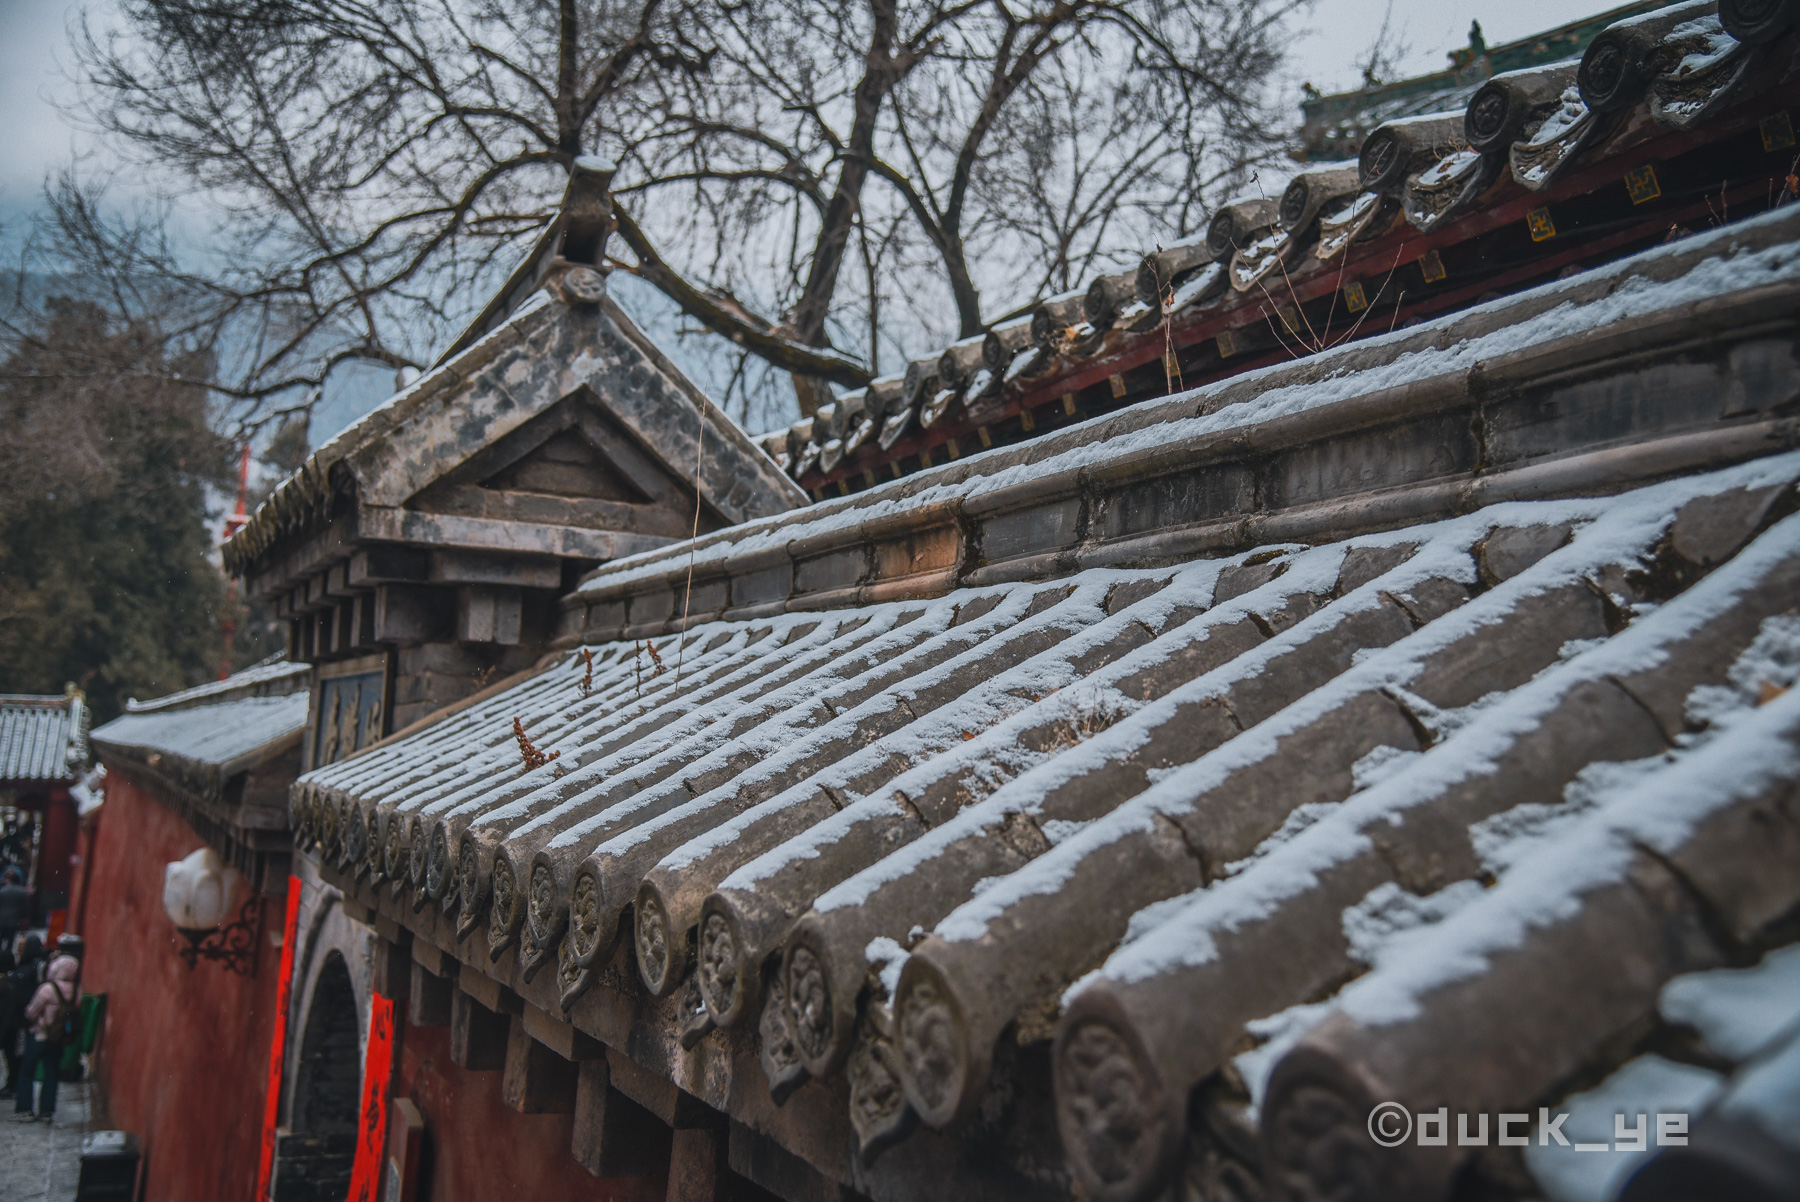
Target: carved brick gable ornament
{"x": 438, "y": 531}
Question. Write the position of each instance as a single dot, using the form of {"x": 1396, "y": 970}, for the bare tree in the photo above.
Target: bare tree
{"x": 1386, "y": 51}
{"x": 1011, "y": 135}
{"x": 376, "y": 161}
{"x": 1044, "y": 129}
{"x": 380, "y": 163}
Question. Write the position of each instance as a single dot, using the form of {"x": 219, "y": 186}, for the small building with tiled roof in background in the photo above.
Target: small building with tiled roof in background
{"x": 1333, "y": 127}
{"x": 43, "y": 758}
{"x": 1340, "y": 669}
{"x": 204, "y": 769}
{"x": 221, "y": 755}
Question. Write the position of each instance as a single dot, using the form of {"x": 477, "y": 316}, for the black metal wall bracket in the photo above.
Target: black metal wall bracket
{"x": 233, "y": 944}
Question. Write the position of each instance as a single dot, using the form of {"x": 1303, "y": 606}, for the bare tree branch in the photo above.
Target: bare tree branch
{"x": 728, "y": 317}
{"x": 377, "y": 166}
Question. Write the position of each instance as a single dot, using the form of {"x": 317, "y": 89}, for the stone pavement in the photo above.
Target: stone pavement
{"x": 39, "y": 1161}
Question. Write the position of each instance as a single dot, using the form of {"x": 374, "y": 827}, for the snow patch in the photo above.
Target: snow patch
{"x": 887, "y": 957}
{"x": 1381, "y": 920}
{"x": 1276, "y": 1036}
{"x": 1738, "y": 1011}
{"x": 1648, "y": 1086}
{"x": 1379, "y": 764}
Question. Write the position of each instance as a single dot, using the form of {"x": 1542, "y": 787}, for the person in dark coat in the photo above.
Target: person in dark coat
{"x": 15, "y": 903}
{"x": 21, "y": 983}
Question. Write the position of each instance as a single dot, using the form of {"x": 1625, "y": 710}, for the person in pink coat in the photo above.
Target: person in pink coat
{"x": 53, "y": 1003}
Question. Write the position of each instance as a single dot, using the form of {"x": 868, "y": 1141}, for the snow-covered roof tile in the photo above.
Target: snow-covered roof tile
{"x": 43, "y": 739}
{"x": 201, "y": 737}
{"x": 1315, "y": 785}
{"x": 1393, "y": 721}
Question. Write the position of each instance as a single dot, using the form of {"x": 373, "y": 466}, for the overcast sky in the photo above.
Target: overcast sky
{"x": 33, "y": 138}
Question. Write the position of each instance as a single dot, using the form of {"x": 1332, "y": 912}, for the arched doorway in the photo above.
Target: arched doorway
{"x": 314, "y": 1159}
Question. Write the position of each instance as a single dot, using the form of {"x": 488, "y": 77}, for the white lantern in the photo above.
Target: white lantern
{"x": 198, "y": 891}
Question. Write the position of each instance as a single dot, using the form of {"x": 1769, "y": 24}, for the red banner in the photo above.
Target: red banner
{"x": 378, "y": 1069}
{"x": 278, "y": 1045}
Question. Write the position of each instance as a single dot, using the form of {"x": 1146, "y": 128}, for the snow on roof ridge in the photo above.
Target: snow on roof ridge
{"x": 216, "y": 734}
{"x": 312, "y": 473}
{"x": 1633, "y": 294}
{"x": 256, "y": 674}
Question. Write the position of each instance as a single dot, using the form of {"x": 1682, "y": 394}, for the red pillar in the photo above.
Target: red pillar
{"x": 55, "y": 850}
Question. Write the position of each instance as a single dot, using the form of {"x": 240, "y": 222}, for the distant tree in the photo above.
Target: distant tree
{"x": 380, "y": 161}
{"x": 106, "y": 458}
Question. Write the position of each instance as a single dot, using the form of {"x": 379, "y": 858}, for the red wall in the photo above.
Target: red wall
{"x": 478, "y": 1149}
{"x": 184, "y": 1056}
